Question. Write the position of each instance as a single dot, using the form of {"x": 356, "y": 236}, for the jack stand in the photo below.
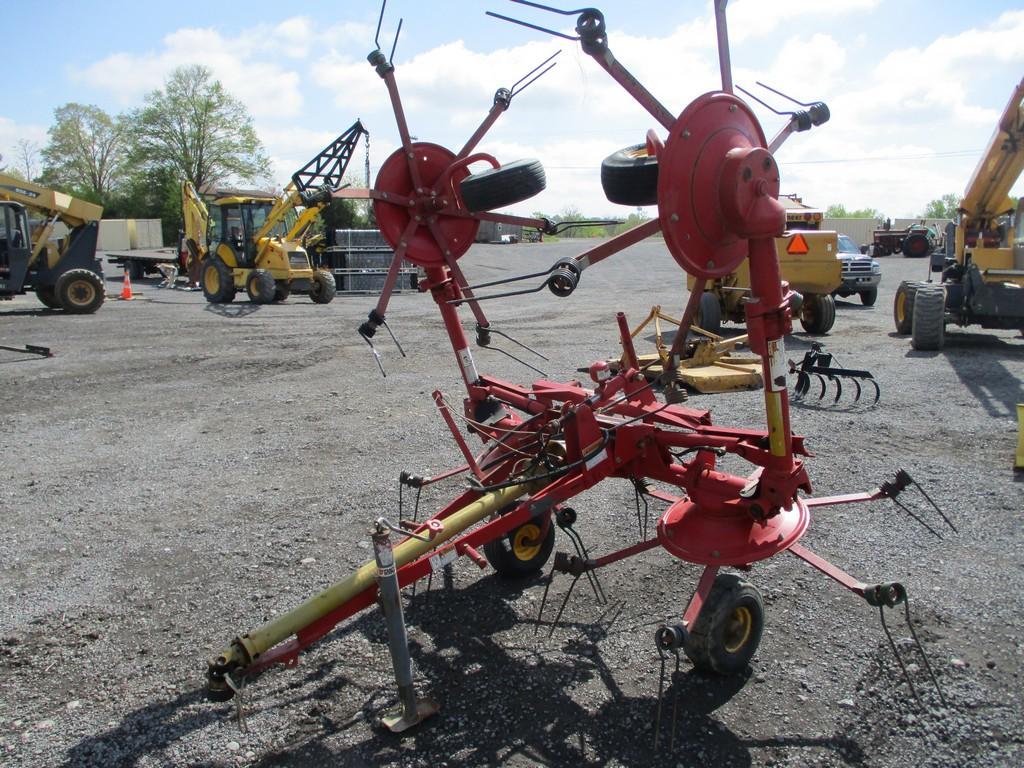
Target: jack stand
{"x": 412, "y": 710}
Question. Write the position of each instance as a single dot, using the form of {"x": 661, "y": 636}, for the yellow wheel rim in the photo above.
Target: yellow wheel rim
{"x": 901, "y": 309}
{"x": 82, "y": 292}
{"x": 211, "y": 280}
{"x": 737, "y": 631}
{"x": 526, "y": 542}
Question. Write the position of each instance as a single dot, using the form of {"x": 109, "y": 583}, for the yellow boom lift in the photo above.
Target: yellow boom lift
{"x": 64, "y": 274}
{"x": 253, "y": 241}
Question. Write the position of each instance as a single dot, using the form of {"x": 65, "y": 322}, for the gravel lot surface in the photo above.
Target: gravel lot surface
{"x": 179, "y": 473}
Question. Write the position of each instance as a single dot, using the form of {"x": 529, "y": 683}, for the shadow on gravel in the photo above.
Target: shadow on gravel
{"x": 242, "y": 309}
{"x": 522, "y": 700}
{"x": 978, "y": 361}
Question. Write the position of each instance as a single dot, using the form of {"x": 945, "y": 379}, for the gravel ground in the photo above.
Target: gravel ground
{"x": 179, "y": 473}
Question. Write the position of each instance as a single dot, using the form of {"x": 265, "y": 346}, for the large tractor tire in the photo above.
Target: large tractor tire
{"x": 79, "y": 291}
{"x": 47, "y": 296}
{"x": 928, "y": 331}
{"x": 903, "y": 306}
{"x": 218, "y": 281}
{"x": 323, "y": 289}
{"x": 500, "y": 187}
{"x": 630, "y": 177}
{"x": 818, "y": 313}
{"x": 521, "y": 552}
{"x": 260, "y": 286}
{"x": 709, "y": 316}
{"x": 728, "y": 628}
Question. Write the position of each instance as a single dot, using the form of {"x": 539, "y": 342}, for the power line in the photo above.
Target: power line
{"x": 888, "y": 158}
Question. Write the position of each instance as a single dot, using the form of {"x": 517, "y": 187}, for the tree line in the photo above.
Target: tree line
{"x": 944, "y": 207}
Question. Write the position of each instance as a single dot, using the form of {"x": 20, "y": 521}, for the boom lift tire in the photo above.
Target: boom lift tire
{"x": 79, "y": 291}
{"x": 728, "y": 628}
{"x": 281, "y": 292}
{"x": 630, "y": 177}
{"x": 47, "y": 296}
{"x": 519, "y": 553}
{"x": 928, "y": 332}
{"x": 903, "y": 306}
{"x": 869, "y": 297}
{"x": 260, "y": 286}
{"x": 217, "y": 281}
{"x": 709, "y": 316}
{"x": 324, "y": 288}
{"x": 498, "y": 187}
{"x": 818, "y": 313}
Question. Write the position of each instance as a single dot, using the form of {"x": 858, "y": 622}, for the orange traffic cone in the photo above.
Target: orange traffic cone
{"x": 126, "y": 291}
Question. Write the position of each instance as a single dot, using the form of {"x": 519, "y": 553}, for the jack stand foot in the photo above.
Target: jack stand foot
{"x": 410, "y": 713}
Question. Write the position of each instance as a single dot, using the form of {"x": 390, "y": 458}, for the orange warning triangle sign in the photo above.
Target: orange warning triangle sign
{"x": 797, "y": 244}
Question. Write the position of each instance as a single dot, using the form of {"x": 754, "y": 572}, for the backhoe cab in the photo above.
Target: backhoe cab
{"x": 65, "y": 274}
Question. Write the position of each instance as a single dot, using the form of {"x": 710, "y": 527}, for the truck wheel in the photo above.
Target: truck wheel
{"x": 630, "y": 177}
{"x": 519, "y": 553}
{"x": 928, "y": 330}
{"x": 260, "y": 286}
{"x": 868, "y": 297}
{"x": 903, "y": 305}
{"x": 324, "y": 288}
{"x": 281, "y": 292}
{"x": 709, "y": 316}
{"x": 218, "y": 281}
{"x": 498, "y": 187}
{"x": 47, "y": 296}
{"x": 818, "y": 313}
{"x": 728, "y": 628}
{"x": 79, "y": 291}
{"x": 136, "y": 270}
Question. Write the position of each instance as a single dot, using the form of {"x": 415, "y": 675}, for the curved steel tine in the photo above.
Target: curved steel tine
{"x": 856, "y": 396}
{"x": 839, "y": 388}
{"x": 803, "y": 383}
{"x": 824, "y": 386}
{"x": 878, "y": 392}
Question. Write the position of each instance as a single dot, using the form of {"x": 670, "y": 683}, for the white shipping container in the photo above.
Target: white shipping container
{"x": 114, "y": 235}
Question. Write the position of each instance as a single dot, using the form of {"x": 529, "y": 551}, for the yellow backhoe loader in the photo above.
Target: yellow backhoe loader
{"x": 65, "y": 274}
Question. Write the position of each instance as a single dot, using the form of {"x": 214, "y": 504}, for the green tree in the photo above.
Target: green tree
{"x": 838, "y": 211}
{"x": 199, "y": 130}
{"x": 87, "y": 151}
{"x": 943, "y": 208}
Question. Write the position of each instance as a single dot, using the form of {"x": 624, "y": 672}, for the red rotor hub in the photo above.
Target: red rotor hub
{"x": 437, "y": 231}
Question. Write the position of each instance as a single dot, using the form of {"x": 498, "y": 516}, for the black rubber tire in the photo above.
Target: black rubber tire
{"x": 915, "y": 246}
{"x": 260, "y": 287}
{"x": 630, "y": 177}
{"x": 217, "y": 281}
{"x": 500, "y": 187}
{"x": 79, "y": 291}
{"x": 903, "y": 306}
{"x": 818, "y": 313}
{"x": 322, "y": 289}
{"x": 869, "y": 297}
{"x": 709, "y": 316}
{"x": 511, "y": 558}
{"x": 928, "y": 330}
{"x": 136, "y": 270}
{"x": 281, "y": 292}
{"x": 47, "y": 296}
{"x": 728, "y": 629}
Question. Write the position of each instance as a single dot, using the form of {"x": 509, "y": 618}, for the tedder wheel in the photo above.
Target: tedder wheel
{"x": 499, "y": 187}
{"x": 519, "y": 553}
{"x": 709, "y": 316}
{"x": 282, "y": 291}
{"x": 218, "y": 281}
{"x": 323, "y": 288}
{"x": 47, "y": 296}
{"x": 630, "y": 177}
{"x": 728, "y": 628}
{"x": 818, "y": 313}
{"x": 928, "y": 329}
{"x": 868, "y": 297}
{"x": 79, "y": 291}
{"x": 260, "y": 286}
{"x": 903, "y": 305}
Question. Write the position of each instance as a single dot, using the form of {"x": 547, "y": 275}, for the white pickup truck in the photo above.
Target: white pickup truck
{"x": 861, "y": 273}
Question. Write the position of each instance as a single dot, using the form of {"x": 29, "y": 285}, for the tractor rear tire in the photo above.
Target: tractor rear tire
{"x": 818, "y": 313}
{"x": 218, "y": 281}
{"x": 260, "y": 286}
{"x": 728, "y": 628}
{"x": 630, "y": 177}
{"x": 499, "y": 187}
{"x": 518, "y": 553}
{"x": 869, "y": 297}
{"x": 79, "y": 291}
{"x": 903, "y": 306}
{"x": 928, "y": 332}
{"x": 323, "y": 288}
{"x": 709, "y": 316}
{"x": 47, "y": 296}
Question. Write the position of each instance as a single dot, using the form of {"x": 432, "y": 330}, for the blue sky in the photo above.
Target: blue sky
{"x": 914, "y": 86}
